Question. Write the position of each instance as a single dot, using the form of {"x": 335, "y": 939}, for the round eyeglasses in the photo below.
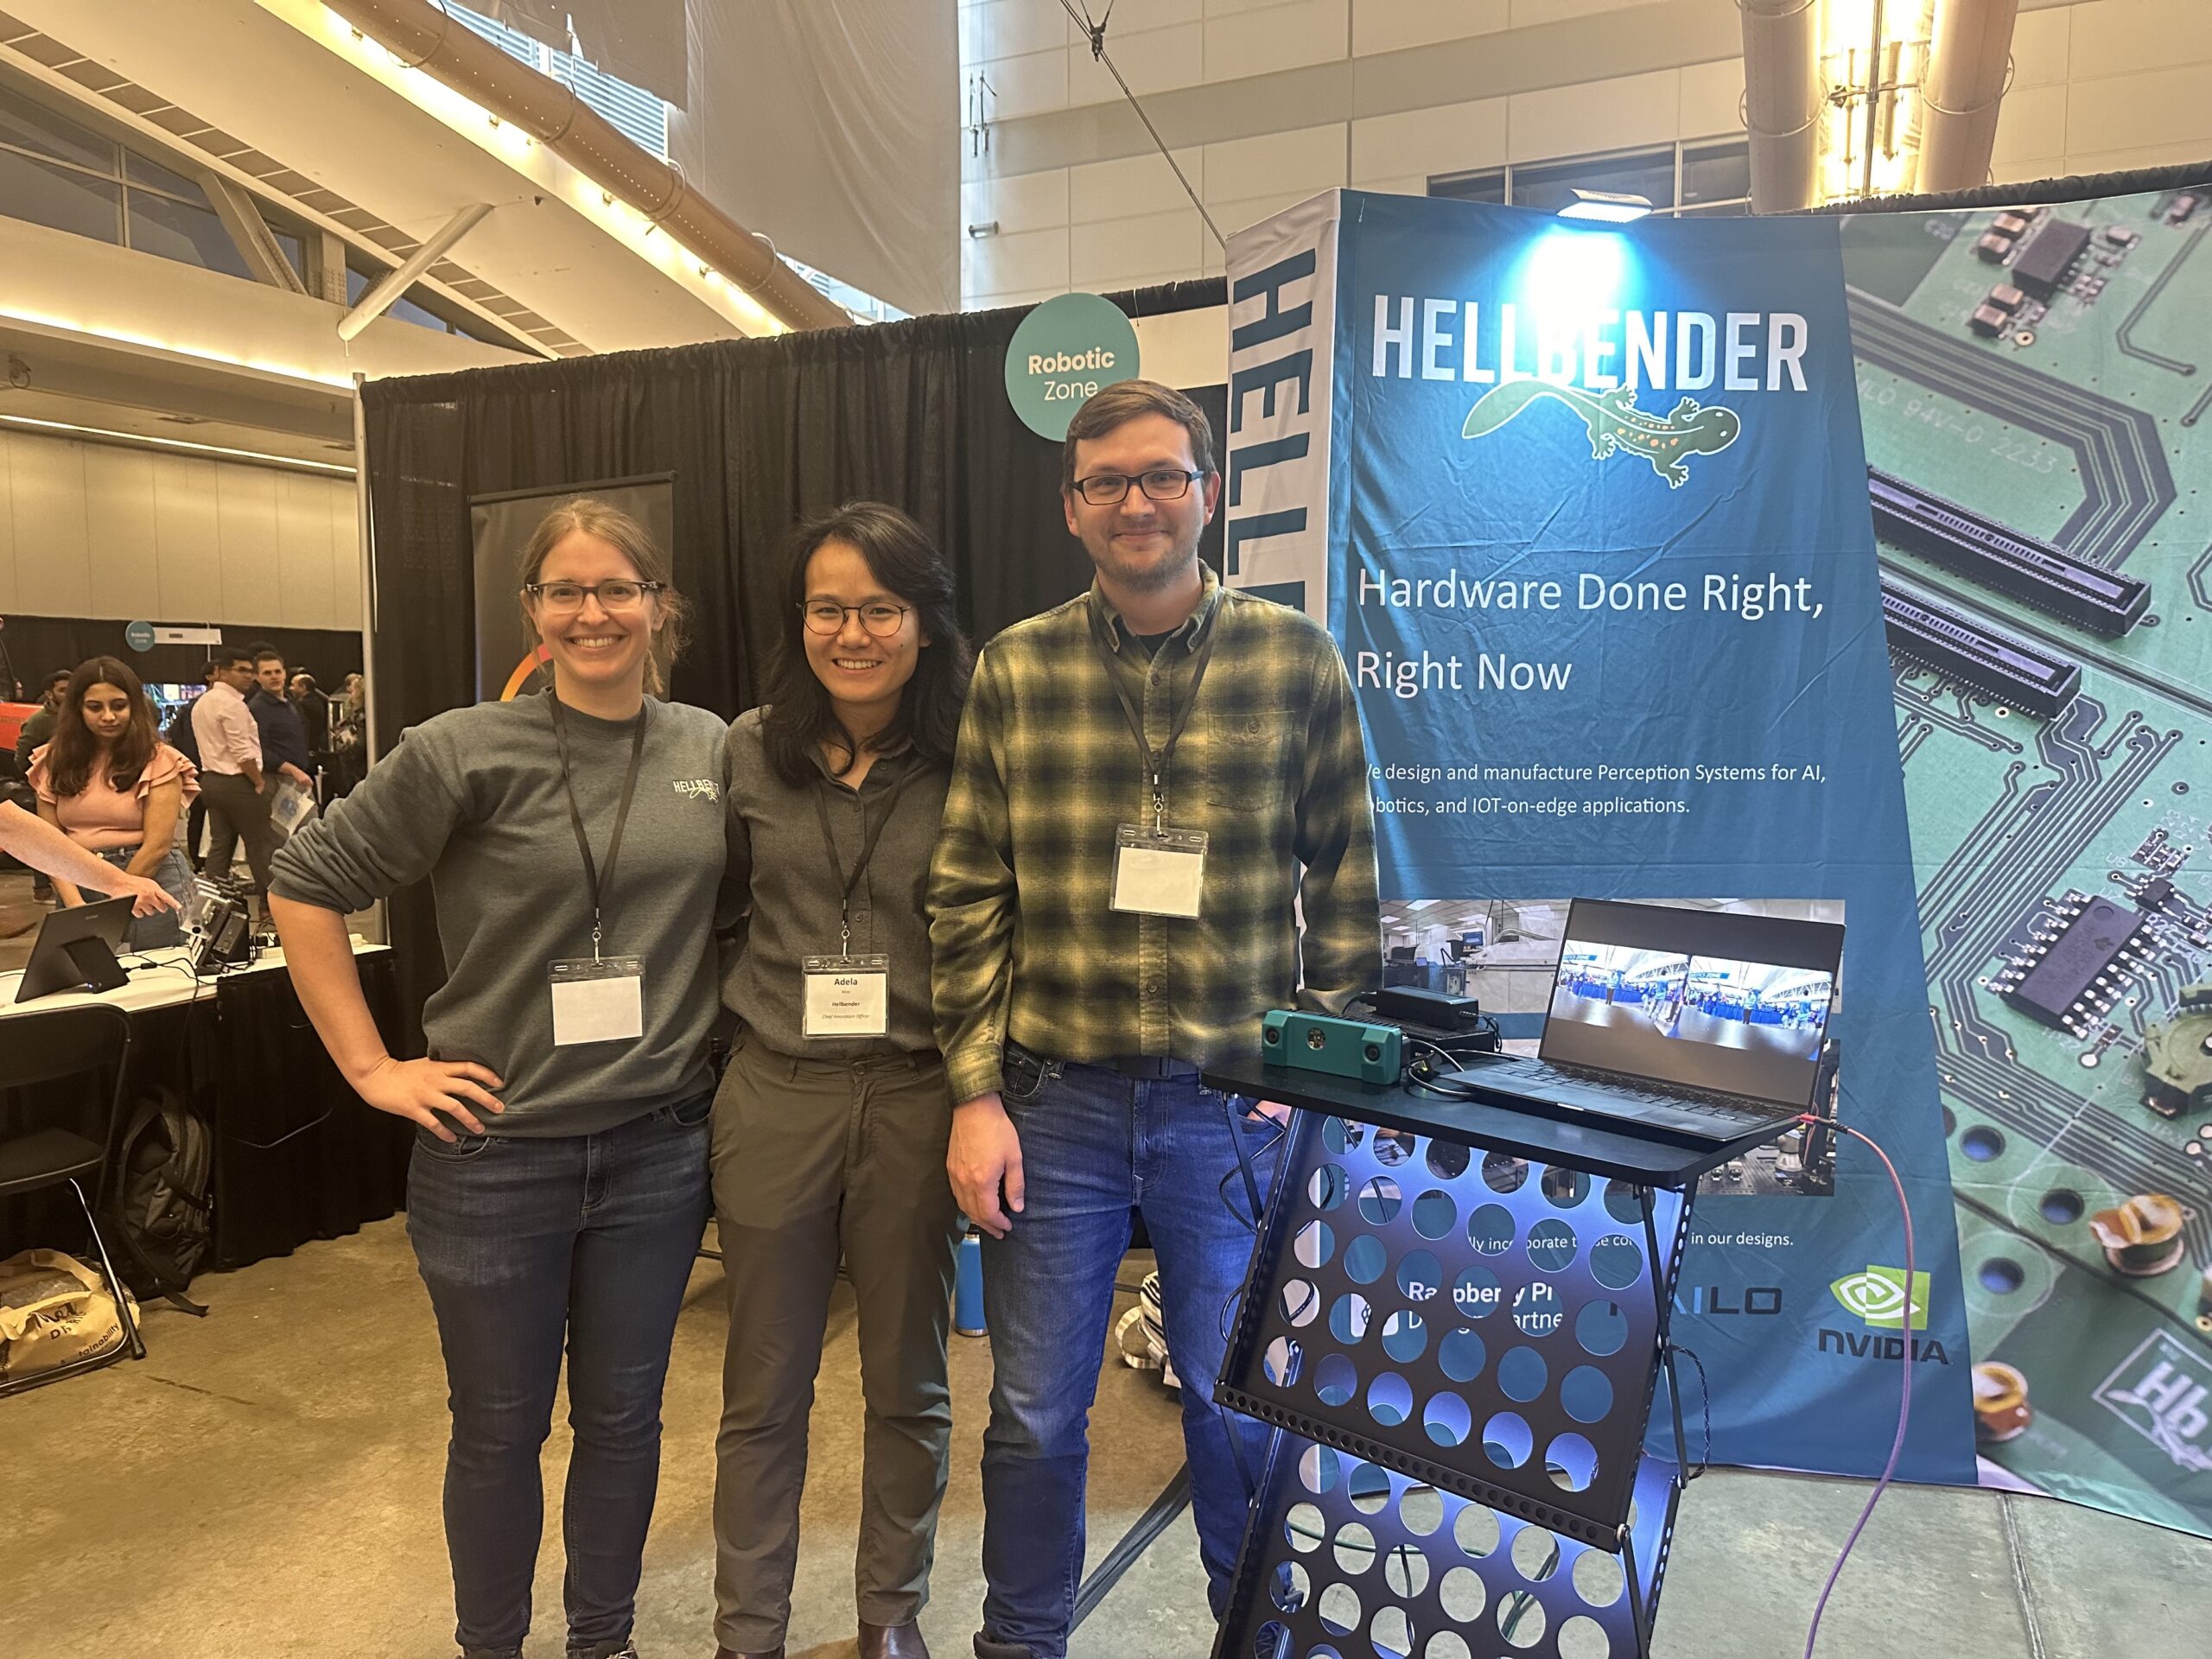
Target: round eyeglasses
{"x": 881, "y": 618}
{"x": 1161, "y": 484}
{"x": 562, "y": 597}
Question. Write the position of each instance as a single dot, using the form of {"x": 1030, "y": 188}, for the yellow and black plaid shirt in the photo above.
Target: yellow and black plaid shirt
{"x": 1271, "y": 765}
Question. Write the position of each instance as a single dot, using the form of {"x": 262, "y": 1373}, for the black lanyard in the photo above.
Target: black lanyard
{"x": 1156, "y": 761}
{"x": 869, "y": 837}
{"x": 600, "y": 881}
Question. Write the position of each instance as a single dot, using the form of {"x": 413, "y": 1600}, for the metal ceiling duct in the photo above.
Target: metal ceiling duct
{"x": 1969, "y": 60}
{"x": 422, "y": 35}
{"x": 1782, "y": 102}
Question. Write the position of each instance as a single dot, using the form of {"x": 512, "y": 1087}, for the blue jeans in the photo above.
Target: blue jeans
{"x": 527, "y": 1244}
{"x": 173, "y": 877}
{"x": 1095, "y": 1146}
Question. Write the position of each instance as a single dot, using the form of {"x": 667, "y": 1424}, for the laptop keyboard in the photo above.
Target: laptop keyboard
{"x": 1612, "y": 1097}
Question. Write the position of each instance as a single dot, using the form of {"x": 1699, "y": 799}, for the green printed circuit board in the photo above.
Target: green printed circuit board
{"x": 2035, "y": 387}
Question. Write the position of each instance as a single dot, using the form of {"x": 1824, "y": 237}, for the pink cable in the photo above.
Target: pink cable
{"x": 1905, "y": 1402}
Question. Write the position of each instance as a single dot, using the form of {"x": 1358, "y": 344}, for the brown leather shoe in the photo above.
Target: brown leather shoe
{"x": 893, "y": 1641}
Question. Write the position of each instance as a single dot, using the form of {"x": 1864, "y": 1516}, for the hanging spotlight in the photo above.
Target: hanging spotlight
{"x": 1605, "y": 206}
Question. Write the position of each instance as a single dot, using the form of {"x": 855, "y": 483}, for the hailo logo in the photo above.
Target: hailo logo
{"x": 1616, "y": 425}
{"x": 1877, "y": 1296}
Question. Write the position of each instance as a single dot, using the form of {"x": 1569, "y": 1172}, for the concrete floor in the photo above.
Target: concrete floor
{"x": 266, "y": 1483}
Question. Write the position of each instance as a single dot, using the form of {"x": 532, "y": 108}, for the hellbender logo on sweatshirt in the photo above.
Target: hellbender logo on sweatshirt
{"x": 699, "y": 789}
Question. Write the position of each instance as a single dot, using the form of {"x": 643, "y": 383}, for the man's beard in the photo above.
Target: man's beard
{"x": 1145, "y": 579}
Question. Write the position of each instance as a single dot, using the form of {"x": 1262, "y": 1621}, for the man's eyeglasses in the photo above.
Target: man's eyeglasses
{"x": 619, "y": 594}
{"x": 827, "y": 617}
{"x": 1161, "y": 484}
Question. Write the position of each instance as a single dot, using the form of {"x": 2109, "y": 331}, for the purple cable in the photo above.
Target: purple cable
{"x": 1904, "y": 1402}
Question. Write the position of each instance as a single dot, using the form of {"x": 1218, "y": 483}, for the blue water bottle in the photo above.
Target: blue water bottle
{"x": 968, "y": 1288}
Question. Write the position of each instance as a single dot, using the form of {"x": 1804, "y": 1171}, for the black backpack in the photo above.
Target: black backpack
{"x": 162, "y": 1203}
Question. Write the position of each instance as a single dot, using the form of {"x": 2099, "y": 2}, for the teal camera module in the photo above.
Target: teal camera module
{"x": 1343, "y": 1048}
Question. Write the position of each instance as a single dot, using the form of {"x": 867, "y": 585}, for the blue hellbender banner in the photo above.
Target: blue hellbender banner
{"x": 1587, "y": 508}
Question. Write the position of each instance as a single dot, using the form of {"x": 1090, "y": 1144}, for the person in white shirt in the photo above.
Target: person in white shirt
{"x": 231, "y": 778}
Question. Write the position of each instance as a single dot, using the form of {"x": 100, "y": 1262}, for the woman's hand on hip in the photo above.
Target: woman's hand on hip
{"x": 420, "y": 1090}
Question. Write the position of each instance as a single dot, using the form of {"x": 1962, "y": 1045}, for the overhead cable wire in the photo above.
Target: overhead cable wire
{"x": 1096, "y": 34}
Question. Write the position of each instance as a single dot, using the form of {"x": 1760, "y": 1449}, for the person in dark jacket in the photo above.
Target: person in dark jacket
{"x": 284, "y": 734}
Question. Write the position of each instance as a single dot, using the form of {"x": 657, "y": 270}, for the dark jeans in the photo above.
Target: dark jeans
{"x": 1097, "y": 1146}
{"x": 524, "y": 1243}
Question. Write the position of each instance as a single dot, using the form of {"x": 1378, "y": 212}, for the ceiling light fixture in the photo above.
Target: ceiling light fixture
{"x": 1607, "y": 206}
{"x": 108, "y": 435}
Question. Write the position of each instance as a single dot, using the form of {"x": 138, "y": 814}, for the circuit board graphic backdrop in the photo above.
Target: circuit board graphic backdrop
{"x": 2050, "y": 370}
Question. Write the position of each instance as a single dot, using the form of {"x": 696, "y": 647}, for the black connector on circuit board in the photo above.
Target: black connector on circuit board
{"x": 1983, "y": 550}
{"x": 2015, "y": 674}
{"x": 2068, "y": 978}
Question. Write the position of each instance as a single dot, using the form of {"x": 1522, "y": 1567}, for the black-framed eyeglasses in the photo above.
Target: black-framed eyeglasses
{"x": 619, "y": 594}
{"x": 1160, "y": 484}
{"x": 879, "y": 617}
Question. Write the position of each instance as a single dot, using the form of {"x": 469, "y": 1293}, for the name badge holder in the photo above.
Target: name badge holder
{"x": 849, "y": 996}
{"x": 846, "y": 996}
{"x": 601, "y": 999}
{"x": 1158, "y": 870}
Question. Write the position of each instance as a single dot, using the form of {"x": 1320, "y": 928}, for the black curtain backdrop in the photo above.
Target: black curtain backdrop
{"x": 37, "y": 645}
{"x": 758, "y": 433}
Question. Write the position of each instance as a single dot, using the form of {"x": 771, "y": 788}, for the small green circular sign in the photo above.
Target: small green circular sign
{"x": 139, "y": 636}
{"x": 1066, "y": 349}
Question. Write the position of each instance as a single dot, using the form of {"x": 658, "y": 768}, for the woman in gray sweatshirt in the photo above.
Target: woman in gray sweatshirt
{"x": 573, "y": 842}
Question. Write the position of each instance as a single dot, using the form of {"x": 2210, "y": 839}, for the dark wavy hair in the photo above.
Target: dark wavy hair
{"x": 69, "y": 760}
{"x": 899, "y": 555}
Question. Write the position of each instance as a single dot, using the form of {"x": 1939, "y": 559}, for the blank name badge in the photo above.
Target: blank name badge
{"x": 598, "y": 1001}
{"x": 1159, "y": 871}
{"x": 847, "y": 996}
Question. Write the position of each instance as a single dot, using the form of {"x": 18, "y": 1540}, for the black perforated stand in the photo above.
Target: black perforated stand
{"x": 1456, "y": 1317}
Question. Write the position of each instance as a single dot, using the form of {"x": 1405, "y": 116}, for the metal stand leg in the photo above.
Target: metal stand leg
{"x": 115, "y": 1285}
{"x": 1660, "y": 1298}
{"x": 1639, "y": 1613}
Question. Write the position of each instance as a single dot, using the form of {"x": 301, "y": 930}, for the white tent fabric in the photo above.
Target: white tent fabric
{"x": 641, "y": 42}
{"x": 834, "y": 130}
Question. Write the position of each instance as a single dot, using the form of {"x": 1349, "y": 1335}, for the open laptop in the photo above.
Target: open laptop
{"x": 1701, "y": 1026}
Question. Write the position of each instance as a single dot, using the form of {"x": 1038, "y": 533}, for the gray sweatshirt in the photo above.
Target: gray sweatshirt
{"x": 473, "y": 799}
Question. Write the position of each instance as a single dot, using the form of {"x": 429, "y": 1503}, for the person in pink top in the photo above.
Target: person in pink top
{"x": 109, "y": 783}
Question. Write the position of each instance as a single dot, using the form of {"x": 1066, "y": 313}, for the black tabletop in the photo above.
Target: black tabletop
{"x": 1616, "y": 1152}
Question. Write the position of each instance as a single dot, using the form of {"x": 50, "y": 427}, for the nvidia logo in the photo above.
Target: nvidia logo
{"x": 1877, "y": 1296}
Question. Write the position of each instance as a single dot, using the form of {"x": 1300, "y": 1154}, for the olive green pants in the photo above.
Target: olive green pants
{"x": 815, "y": 1160}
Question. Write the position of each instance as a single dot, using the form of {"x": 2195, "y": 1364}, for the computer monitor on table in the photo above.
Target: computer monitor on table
{"x": 75, "y": 950}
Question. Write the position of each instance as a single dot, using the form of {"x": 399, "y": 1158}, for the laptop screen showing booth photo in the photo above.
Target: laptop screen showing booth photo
{"x": 1708, "y": 1000}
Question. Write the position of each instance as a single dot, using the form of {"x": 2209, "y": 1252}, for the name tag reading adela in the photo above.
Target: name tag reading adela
{"x": 1159, "y": 871}
{"x": 598, "y": 1001}
{"x": 847, "y": 996}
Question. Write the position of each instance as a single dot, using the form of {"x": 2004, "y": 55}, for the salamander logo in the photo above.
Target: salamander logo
{"x": 1616, "y": 425}
{"x": 699, "y": 789}
{"x": 1877, "y": 1297}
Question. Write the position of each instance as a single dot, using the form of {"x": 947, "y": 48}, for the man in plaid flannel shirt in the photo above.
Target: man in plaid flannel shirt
{"x": 1086, "y": 969}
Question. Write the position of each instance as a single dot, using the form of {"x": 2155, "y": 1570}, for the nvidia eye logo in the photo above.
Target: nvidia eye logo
{"x": 1877, "y": 1296}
